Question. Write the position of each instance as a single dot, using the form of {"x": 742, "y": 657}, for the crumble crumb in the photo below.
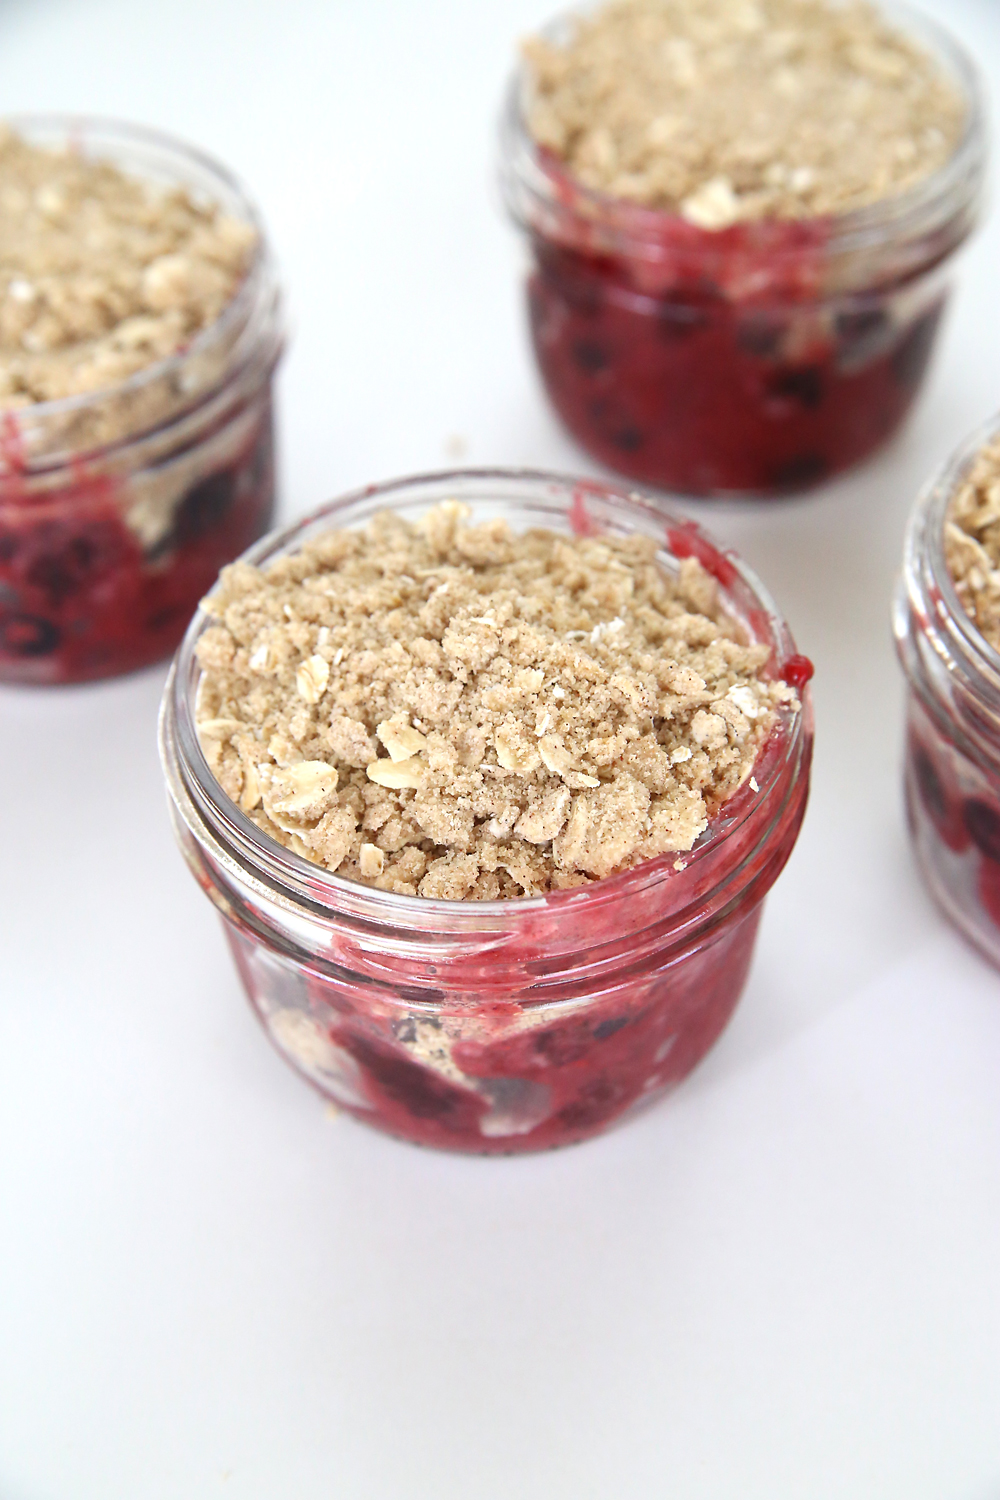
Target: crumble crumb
{"x": 462, "y": 712}
{"x": 726, "y": 110}
{"x": 972, "y": 542}
{"x": 101, "y": 274}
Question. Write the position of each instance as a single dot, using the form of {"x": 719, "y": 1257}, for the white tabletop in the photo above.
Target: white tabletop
{"x": 782, "y": 1282}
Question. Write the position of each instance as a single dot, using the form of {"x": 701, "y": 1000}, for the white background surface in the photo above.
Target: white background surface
{"x": 783, "y": 1282}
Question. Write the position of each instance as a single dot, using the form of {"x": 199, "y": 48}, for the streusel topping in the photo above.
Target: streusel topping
{"x": 972, "y": 542}
{"x": 101, "y": 274}
{"x": 462, "y": 712}
{"x": 725, "y": 110}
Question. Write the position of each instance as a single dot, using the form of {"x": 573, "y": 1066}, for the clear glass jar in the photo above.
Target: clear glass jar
{"x": 952, "y": 775}
{"x": 118, "y": 508}
{"x": 754, "y": 360}
{"x": 507, "y": 1025}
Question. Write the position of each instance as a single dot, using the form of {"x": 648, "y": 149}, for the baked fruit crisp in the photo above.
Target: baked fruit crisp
{"x": 135, "y": 428}
{"x": 489, "y": 803}
{"x": 739, "y": 212}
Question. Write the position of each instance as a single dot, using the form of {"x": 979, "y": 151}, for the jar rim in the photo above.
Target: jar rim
{"x": 255, "y": 285}
{"x": 197, "y": 792}
{"x": 945, "y": 193}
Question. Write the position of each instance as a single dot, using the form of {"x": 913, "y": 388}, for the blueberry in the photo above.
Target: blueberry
{"x": 861, "y": 334}
{"x": 929, "y": 784}
{"x": 28, "y": 635}
{"x": 910, "y": 356}
{"x": 760, "y": 334}
{"x": 574, "y": 279}
{"x": 800, "y": 472}
{"x": 590, "y": 357}
{"x": 593, "y": 1104}
{"x": 982, "y": 823}
{"x": 419, "y": 1090}
{"x": 563, "y": 1044}
{"x": 679, "y": 320}
{"x": 628, "y": 439}
{"x": 204, "y": 506}
{"x": 608, "y": 1028}
{"x": 803, "y": 384}
{"x": 62, "y": 560}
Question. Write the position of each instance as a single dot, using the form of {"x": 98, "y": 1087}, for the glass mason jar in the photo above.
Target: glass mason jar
{"x": 754, "y": 360}
{"x": 508, "y": 1025}
{"x": 952, "y": 775}
{"x": 118, "y": 508}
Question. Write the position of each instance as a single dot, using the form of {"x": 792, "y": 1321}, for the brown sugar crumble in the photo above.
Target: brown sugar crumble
{"x": 972, "y": 542}
{"x": 102, "y": 274}
{"x": 726, "y": 110}
{"x": 463, "y": 712}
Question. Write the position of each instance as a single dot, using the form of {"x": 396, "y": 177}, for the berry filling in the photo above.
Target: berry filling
{"x": 701, "y": 391}
{"x": 507, "y": 1084}
{"x": 81, "y": 599}
{"x": 954, "y": 808}
{"x": 502, "y": 1071}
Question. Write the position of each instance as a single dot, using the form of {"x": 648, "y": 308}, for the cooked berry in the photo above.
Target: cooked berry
{"x": 608, "y": 1028}
{"x": 28, "y": 635}
{"x": 929, "y": 784}
{"x": 760, "y": 334}
{"x": 800, "y": 472}
{"x": 562, "y": 1044}
{"x": 861, "y": 334}
{"x": 563, "y": 279}
{"x": 590, "y": 357}
{"x": 982, "y": 821}
{"x": 422, "y": 1092}
{"x": 680, "y": 319}
{"x": 204, "y": 506}
{"x": 63, "y": 558}
{"x": 628, "y": 439}
{"x": 910, "y": 356}
{"x": 804, "y": 385}
{"x": 596, "y": 1101}
{"x": 988, "y": 885}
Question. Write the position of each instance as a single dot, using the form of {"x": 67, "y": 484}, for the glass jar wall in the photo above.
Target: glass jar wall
{"x": 505, "y": 1025}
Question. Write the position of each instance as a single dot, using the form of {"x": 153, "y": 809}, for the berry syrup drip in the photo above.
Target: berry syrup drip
{"x": 80, "y": 599}
{"x": 704, "y": 384}
{"x": 797, "y": 671}
{"x": 687, "y": 541}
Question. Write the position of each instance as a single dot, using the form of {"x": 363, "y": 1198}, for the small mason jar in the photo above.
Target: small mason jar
{"x": 952, "y": 774}
{"x": 509, "y": 1025}
{"x": 756, "y": 360}
{"x": 118, "y": 507}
